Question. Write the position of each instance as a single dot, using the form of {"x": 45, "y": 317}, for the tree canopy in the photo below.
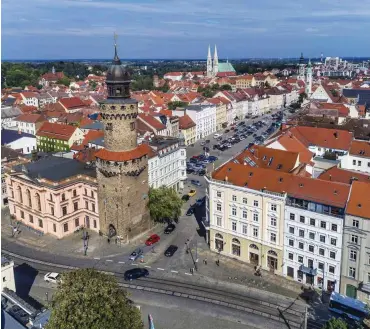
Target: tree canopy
{"x": 335, "y": 323}
{"x": 174, "y": 104}
{"x": 87, "y": 299}
{"x": 164, "y": 202}
{"x": 64, "y": 81}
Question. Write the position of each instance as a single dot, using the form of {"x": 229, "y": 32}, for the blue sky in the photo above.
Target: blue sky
{"x": 61, "y": 29}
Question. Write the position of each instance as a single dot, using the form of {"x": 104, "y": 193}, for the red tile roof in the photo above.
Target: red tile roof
{"x": 28, "y": 109}
{"x": 56, "y": 131}
{"x": 72, "y": 102}
{"x": 343, "y": 111}
{"x": 30, "y": 118}
{"x": 185, "y": 122}
{"x": 360, "y": 148}
{"x": 151, "y": 121}
{"x": 137, "y": 153}
{"x": 336, "y": 174}
{"x": 358, "y": 203}
{"x": 53, "y": 77}
{"x": 29, "y": 94}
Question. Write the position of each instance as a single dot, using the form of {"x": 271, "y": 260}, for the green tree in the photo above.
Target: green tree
{"x": 174, "y": 104}
{"x": 64, "y": 81}
{"x": 87, "y": 299}
{"x": 93, "y": 85}
{"x": 226, "y": 87}
{"x": 334, "y": 92}
{"x": 334, "y": 323}
{"x": 164, "y": 202}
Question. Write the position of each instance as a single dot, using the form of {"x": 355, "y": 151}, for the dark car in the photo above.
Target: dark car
{"x": 190, "y": 211}
{"x": 208, "y": 141}
{"x": 215, "y": 147}
{"x": 135, "y": 273}
{"x": 227, "y": 130}
{"x": 170, "y": 250}
{"x": 189, "y": 170}
{"x": 169, "y": 229}
{"x": 201, "y": 172}
{"x": 185, "y": 197}
{"x": 206, "y": 149}
{"x": 193, "y": 160}
{"x": 196, "y": 182}
{"x": 212, "y": 158}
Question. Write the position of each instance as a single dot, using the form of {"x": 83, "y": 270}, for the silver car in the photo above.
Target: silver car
{"x": 136, "y": 254}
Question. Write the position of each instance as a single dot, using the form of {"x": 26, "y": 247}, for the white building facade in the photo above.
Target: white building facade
{"x": 313, "y": 243}
{"x": 7, "y": 274}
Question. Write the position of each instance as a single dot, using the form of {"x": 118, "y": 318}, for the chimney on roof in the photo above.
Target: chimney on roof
{"x": 329, "y": 177}
{"x": 226, "y": 179}
{"x": 336, "y": 135}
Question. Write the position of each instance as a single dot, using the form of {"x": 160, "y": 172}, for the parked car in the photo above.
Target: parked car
{"x": 206, "y": 161}
{"x": 216, "y": 136}
{"x": 212, "y": 158}
{"x": 196, "y": 182}
{"x": 227, "y": 130}
{"x": 52, "y": 277}
{"x": 185, "y": 197}
{"x": 207, "y": 141}
{"x": 135, "y": 273}
{"x": 170, "y": 250}
{"x": 189, "y": 171}
{"x": 201, "y": 172}
{"x": 190, "y": 211}
{"x": 152, "y": 239}
{"x": 192, "y": 193}
{"x": 136, "y": 254}
{"x": 203, "y": 143}
{"x": 169, "y": 229}
{"x": 193, "y": 160}
{"x": 200, "y": 201}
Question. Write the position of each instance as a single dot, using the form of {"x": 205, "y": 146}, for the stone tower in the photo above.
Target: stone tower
{"x": 209, "y": 63}
{"x": 309, "y": 79}
{"x": 301, "y": 68}
{"x": 122, "y": 166}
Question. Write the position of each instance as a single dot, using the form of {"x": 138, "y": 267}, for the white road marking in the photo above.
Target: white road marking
{"x": 147, "y": 266}
{"x": 161, "y": 269}
{"x": 121, "y": 262}
{"x": 109, "y": 260}
{"x": 96, "y": 258}
{"x": 175, "y": 271}
{"x": 188, "y": 273}
{"x": 134, "y": 264}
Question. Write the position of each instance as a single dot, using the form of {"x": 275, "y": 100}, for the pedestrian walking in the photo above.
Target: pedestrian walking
{"x": 218, "y": 262}
{"x": 205, "y": 261}
{"x": 108, "y": 240}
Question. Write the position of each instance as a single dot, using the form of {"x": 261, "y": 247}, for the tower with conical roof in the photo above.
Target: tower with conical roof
{"x": 301, "y": 68}
{"x": 122, "y": 166}
{"x": 215, "y": 62}
{"x": 209, "y": 63}
{"x": 309, "y": 79}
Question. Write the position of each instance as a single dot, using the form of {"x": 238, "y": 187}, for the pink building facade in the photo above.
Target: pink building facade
{"x": 54, "y": 207}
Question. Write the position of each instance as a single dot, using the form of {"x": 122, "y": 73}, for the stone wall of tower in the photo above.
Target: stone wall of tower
{"x": 119, "y": 121}
{"x": 123, "y": 197}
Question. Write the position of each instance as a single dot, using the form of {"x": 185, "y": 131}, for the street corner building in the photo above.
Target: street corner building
{"x": 122, "y": 166}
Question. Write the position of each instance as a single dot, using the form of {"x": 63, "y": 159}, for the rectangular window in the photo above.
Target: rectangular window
{"x": 301, "y": 245}
{"x": 321, "y": 251}
{"x": 354, "y": 162}
{"x": 273, "y": 207}
{"x": 292, "y": 216}
{"x": 22, "y": 214}
{"x": 355, "y": 223}
{"x": 255, "y": 217}
{"x": 219, "y": 221}
{"x": 85, "y": 191}
{"x": 74, "y": 193}
{"x": 255, "y": 232}
{"x": 30, "y": 218}
{"x": 233, "y": 211}
{"x": 65, "y": 227}
{"x": 75, "y": 206}
{"x": 332, "y": 255}
{"x": 41, "y": 224}
{"x": 245, "y": 200}
{"x": 219, "y": 207}
{"x": 312, "y": 222}
{"x": 233, "y": 226}
{"x": 352, "y": 272}
{"x": 302, "y": 219}
{"x": 93, "y": 207}
{"x": 311, "y": 235}
{"x": 245, "y": 214}
{"x": 132, "y": 126}
{"x": 323, "y": 224}
{"x": 234, "y": 197}
{"x": 291, "y": 229}
{"x": 322, "y": 238}
{"x": 301, "y": 233}
{"x": 291, "y": 242}
{"x": 244, "y": 229}
{"x": 291, "y": 256}
{"x": 353, "y": 255}
{"x": 333, "y": 241}
{"x": 321, "y": 266}
{"x": 77, "y": 222}
{"x": 218, "y": 193}
{"x": 52, "y": 211}
{"x": 273, "y": 221}
{"x": 334, "y": 227}
{"x": 64, "y": 210}
{"x": 92, "y": 194}
{"x": 311, "y": 248}
{"x": 331, "y": 269}
{"x": 300, "y": 259}
{"x": 54, "y": 227}
{"x": 255, "y": 203}
{"x": 354, "y": 239}
{"x": 273, "y": 237}
{"x": 94, "y": 223}
{"x": 359, "y": 163}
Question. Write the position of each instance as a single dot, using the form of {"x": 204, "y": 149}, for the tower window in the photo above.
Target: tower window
{"x": 109, "y": 126}
{"x": 132, "y": 125}
{"x": 118, "y": 91}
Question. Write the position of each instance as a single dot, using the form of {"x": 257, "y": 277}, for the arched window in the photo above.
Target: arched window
{"x": 272, "y": 253}
{"x": 28, "y": 193}
{"x": 219, "y": 236}
{"x": 253, "y": 246}
{"x": 219, "y": 242}
{"x": 236, "y": 241}
{"x": 38, "y": 202}
{"x": 20, "y": 196}
{"x": 235, "y": 247}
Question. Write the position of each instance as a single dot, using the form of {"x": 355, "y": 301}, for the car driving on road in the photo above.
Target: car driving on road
{"x": 52, "y": 277}
{"x": 169, "y": 229}
{"x": 154, "y": 238}
{"x": 192, "y": 193}
{"x": 170, "y": 250}
{"x": 135, "y": 273}
{"x": 196, "y": 182}
{"x": 136, "y": 254}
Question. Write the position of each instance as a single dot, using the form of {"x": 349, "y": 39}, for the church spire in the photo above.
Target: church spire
{"x": 215, "y": 62}
{"x": 116, "y": 59}
{"x": 209, "y": 63}
{"x": 209, "y": 52}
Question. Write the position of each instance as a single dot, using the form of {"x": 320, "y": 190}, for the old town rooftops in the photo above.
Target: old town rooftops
{"x": 336, "y": 174}
{"x": 360, "y": 148}
{"x": 56, "y": 131}
{"x": 185, "y": 122}
{"x": 359, "y": 200}
{"x": 260, "y": 179}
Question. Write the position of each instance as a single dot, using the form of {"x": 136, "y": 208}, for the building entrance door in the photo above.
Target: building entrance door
{"x": 272, "y": 263}
{"x": 87, "y": 221}
{"x": 254, "y": 259}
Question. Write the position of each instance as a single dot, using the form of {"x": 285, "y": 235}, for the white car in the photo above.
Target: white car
{"x": 52, "y": 277}
{"x": 217, "y": 135}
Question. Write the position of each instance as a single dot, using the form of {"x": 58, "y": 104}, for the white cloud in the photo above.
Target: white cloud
{"x": 312, "y": 29}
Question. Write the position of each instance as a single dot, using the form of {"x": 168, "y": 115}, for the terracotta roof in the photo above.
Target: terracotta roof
{"x": 57, "y": 131}
{"x": 53, "y": 77}
{"x": 28, "y": 109}
{"x": 72, "y": 102}
{"x": 263, "y": 157}
{"x": 30, "y": 118}
{"x": 343, "y": 111}
{"x": 54, "y": 107}
{"x": 185, "y": 122}
{"x": 166, "y": 112}
{"x": 328, "y": 193}
{"x": 360, "y": 148}
{"x": 151, "y": 121}
{"x": 358, "y": 203}
{"x": 86, "y": 121}
{"x": 29, "y": 94}
{"x": 137, "y": 153}
{"x": 173, "y": 74}
{"x": 336, "y": 174}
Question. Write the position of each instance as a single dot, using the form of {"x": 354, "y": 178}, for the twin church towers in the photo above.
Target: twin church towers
{"x": 212, "y": 66}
